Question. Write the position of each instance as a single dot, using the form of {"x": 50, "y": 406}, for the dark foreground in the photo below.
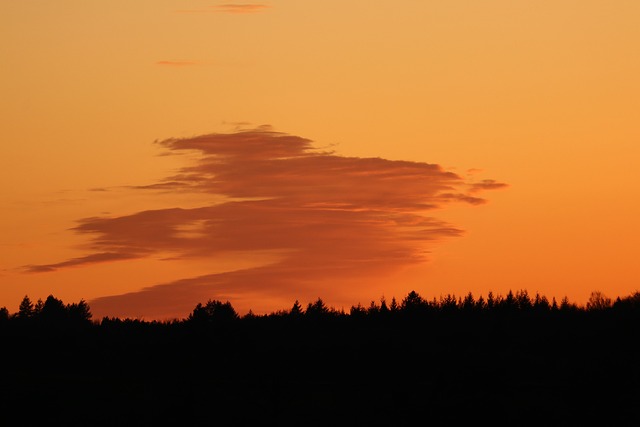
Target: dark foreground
{"x": 420, "y": 367}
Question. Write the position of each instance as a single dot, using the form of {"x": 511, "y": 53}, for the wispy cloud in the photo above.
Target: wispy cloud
{"x": 331, "y": 219}
{"x": 486, "y": 184}
{"x": 89, "y": 259}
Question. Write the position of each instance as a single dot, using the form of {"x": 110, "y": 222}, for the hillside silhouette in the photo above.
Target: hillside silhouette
{"x": 515, "y": 359}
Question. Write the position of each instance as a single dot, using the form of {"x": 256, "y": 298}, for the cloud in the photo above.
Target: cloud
{"x": 74, "y": 262}
{"x": 473, "y": 171}
{"x": 333, "y": 221}
{"x": 487, "y": 184}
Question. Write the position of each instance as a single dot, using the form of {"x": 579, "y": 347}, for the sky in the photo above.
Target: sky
{"x": 157, "y": 154}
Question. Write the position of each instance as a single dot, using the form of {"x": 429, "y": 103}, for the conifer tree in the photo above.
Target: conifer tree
{"x": 25, "y": 310}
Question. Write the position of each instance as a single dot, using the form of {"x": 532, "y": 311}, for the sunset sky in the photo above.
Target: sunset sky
{"x": 160, "y": 153}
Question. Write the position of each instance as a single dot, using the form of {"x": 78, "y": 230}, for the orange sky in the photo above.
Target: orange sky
{"x": 376, "y": 105}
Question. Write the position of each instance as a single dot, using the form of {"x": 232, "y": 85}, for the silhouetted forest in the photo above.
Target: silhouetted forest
{"x": 515, "y": 359}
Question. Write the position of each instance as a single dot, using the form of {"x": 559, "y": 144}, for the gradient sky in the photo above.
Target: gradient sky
{"x": 160, "y": 153}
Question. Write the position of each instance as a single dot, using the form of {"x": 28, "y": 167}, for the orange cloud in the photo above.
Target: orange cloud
{"x": 89, "y": 259}
{"x": 487, "y": 184}
{"x": 332, "y": 218}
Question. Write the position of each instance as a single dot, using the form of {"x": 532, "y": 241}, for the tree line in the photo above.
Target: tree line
{"x": 514, "y": 359}
{"x": 54, "y": 310}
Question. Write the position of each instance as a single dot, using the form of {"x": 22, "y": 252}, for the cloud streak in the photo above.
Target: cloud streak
{"x": 331, "y": 220}
{"x": 486, "y": 184}
{"x": 89, "y": 259}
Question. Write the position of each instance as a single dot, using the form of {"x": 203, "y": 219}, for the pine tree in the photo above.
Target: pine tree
{"x": 25, "y": 310}
{"x": 296, "y": 310}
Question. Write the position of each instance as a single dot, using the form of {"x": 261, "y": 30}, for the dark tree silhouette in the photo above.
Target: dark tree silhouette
{"x": 53, "y": 310}
{"x": 523, "y": 300}
{"x": 413, "y": 303}
{"x": 358, "y": 311}
{"x": 213, "y": 312}
{"x": 79, "y": 312}
{"x": 394, "y": 307}
{"x": 598, "y": 301}
{"x": 383, "y": 306}
{"x": 453, "y": 359}
{"x": 481, "y": 304}
{"x": 317, "y": 309}
{"x": 491, "y": 302}
{"x": 25, "y": 310}
{"x": 449, "y": 303}
{"x": 509, "y": 302}
{"x": 296, "y": 309}
{"x": 541, "y": 303}
{"x": 628, "y": 303}
{"x": 567, "y": 306}
{"x": 37, "y": 308}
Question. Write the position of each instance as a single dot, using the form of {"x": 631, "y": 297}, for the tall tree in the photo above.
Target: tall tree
{"x": 317, "y": 309}
{"x": 79, "y": 312}
{"x": 296, "y": 309}
{"x": 413, "y": 301}
{"x": 53, "y": 310}
{"x": 25, "y": 310}
{"x": 598, "y": 301}
{"x": 213, "y": 311}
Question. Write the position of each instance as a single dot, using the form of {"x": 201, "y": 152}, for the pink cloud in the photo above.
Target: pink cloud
{"x": 334, "y": 219}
